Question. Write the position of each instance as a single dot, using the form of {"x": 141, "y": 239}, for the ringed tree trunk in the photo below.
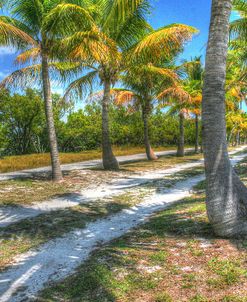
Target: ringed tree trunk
{"x": 180, "y": 150}
{"x": 197, "y": 134}
{"x": 226, "y": 195}
{"x": 109, "y": 160}
{"x": 145, "y": 116}
{"x": 55, "y": 162}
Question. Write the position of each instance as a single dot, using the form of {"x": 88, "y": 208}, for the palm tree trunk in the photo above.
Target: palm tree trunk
{"x": 180, "y": 151}
{"x": 226, "y": 195}
{"x": 197, "y": 134}
{"x": 109, "y": 160}
{"x": 56, "y": 169}
{"x": 145, "y": 116}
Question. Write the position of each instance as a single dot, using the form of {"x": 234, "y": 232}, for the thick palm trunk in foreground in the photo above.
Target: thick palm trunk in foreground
{"x": 180, "y": 151}
{"x": 149, "y": 151}
{"x": 109, "y": 160}
{"x": 197, "y": 134}
{"x": 226, "y": 194}
{"x": 56, "y": 169}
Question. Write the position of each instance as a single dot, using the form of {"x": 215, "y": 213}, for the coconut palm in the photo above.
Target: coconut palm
{"x": 184, "y": 98}
{"x": 38, "y": 19}
{"x": 193, "y": 85}
{"x": 143, "y": 82}
{"x": 122, "y": 39}
{"x": 118, "y": 26}
{"x": 226, "y": 195}
{"x": 179, "y": 101}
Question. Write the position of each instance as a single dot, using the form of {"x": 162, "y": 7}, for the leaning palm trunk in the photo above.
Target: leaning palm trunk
{"x": 56, "y": 169}
{"x": 197, "y": 134}
{"x": 180, "y": 151}
{"x": 109, "y": 160}
{"x": 149, "y": 151}
{"x": 226, "y": 195}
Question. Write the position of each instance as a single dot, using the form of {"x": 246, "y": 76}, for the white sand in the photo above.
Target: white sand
{"x": 9, "y": 215}
{"x": 60, "y": 257}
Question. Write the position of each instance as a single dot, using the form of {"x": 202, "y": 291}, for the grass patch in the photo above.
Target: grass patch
{"x": 27, "y": 191}
{"x": 228, "y": 272}
{"x": 164, "y": 260}
{"x": 30, "y": 233}
{"x": 164, "y": 162}
{"x": 22, "y": 162}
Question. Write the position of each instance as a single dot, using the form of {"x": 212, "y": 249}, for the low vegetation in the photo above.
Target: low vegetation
{"x": 31, "y": 190}
{"x": 173, "y": 257}
{"x": 22, "y": 162}
{"x": 30, "y": 233}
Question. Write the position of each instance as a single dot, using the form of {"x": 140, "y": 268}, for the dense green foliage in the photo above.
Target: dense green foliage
{"x": 23, "y": 128}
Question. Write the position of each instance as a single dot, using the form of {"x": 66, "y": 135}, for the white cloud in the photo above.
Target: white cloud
{"x": 7, "y": 51}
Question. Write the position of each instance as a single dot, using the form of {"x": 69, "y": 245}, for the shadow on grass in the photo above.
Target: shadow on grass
{"x": 102, "y": 277}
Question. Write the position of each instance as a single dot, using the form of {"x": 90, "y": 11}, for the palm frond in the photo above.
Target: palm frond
{"x": 66, "y": 18}
{"x": 176, "y": 93}
{"x": 12, "y": 35}
{"x": 164, "y": 42}
{"x": 91, "y": 46}
{"x": 30, "y": 55}
{"x": 27, "y": 76}
{"x": 83, "y": 86}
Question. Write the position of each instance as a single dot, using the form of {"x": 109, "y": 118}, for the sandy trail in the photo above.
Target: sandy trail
{"x": 60, "y": 257}
{"x": 82, "y": 165}
{"x": 9, "y": 215}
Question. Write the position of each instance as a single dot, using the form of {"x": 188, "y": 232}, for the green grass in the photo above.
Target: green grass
{"x": 119, "y": 271}
{"x": 163, "y": 260}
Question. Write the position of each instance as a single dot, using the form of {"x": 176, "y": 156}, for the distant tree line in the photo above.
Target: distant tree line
{"x": 23, "y": 125}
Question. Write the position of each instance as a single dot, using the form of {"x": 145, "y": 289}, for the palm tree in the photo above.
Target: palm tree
{"x": 39, "y": 20}
{"x": 180, "y": 102}
{"x": 143, "y": 82}
{"x": 120, "y": 38}
{"x": 117, "y": 27}
{"x": 193, "y": 85}
{"x": 184, "y": 98}
{"x": 226, "y": 195}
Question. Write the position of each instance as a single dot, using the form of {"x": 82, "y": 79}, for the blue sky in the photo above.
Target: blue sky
{"x": 190, "y": 12}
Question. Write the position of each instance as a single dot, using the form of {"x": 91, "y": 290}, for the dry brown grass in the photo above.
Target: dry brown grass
{"x": 36, "y": 189}
{"x": 22, "y": 162}
{"x": 27, "y": 191}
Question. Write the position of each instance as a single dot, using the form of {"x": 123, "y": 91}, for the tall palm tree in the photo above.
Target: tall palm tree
{"x": 226, "y": 195}
{"x": 184, "y": 98}
{"x": 180, "y": 102}
{"x": 38, "y": 19}
{"x": 118, "y": 25}
{"x": 143, "y": 82}
{"x": 193, "y": 85}
{"x": 122, "y": 38}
